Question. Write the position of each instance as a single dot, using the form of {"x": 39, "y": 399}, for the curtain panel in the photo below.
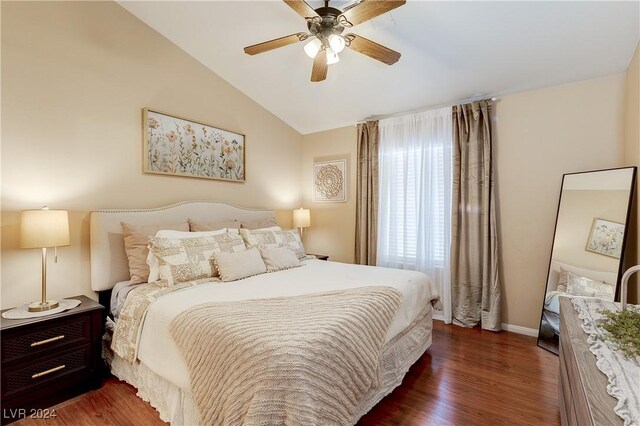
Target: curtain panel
{"x": 475, "y": 287}
{"x": 367, "y": 194}
{"x": 414, "y": 229}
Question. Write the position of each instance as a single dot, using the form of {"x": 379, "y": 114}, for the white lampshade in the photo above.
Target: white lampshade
{"x": 337, "y": 43}
{"x": 332, "y": 57}
{"x": 44, "y": 228}
{"x": 301, "y": 218}
{"x": 312, "y": 48}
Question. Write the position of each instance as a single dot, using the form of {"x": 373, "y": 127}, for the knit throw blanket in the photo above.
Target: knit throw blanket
{"x": 305, "y": 360}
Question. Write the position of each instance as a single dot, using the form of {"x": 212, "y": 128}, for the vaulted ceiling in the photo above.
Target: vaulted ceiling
{"x": 450, "y": 51}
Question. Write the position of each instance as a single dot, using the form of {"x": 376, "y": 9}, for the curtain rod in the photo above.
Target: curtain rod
{"x": 415, "y": 111}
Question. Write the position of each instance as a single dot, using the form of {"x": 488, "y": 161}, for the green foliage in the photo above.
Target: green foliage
{"x": 623, "y": 329}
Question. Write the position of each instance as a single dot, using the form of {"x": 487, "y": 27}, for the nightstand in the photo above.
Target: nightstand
{"x": 49, "y": 359}
{"x": 320, "y": 256}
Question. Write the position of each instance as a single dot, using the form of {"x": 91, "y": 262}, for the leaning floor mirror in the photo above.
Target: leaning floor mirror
{"x": 588, "y": 243}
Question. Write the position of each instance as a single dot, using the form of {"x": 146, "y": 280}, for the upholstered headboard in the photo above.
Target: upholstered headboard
{"x": 109, "y": 263}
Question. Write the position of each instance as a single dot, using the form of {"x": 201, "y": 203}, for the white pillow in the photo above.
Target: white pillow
{"x": 152, "y": 260}
{"x": 235, "y": 266}
{"x": 602, "y": 276}
{"x": 279, "y": 258}
{"x": 583, "y": 286}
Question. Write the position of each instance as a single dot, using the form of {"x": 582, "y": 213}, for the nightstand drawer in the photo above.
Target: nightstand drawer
{"x": 55, "y": 335}
{"x": 36, "y": 374}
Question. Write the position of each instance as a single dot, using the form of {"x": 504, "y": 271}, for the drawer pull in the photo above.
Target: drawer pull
{"x": 45, "y": 341}
{"x": 49, "y": 371}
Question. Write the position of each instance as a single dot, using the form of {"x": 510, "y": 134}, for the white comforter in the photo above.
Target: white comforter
{"x": 158, "y": 351}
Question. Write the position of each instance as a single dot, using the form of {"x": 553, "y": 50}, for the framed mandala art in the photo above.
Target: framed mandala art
{"x": 182, "y": 147}
{"x": 330, "y": 181}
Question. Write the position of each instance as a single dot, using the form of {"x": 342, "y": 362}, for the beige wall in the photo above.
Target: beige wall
{"x": 632, "y": 158}
{"x": 332, "y": 230}
{"x": 539, "y": 135}
{"x": 75, "y": 77}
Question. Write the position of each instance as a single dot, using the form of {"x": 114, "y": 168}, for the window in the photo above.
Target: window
{"x": 414, "y": 217}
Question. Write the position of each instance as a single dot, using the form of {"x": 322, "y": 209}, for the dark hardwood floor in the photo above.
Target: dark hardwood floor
{"x": 467, "y": 377}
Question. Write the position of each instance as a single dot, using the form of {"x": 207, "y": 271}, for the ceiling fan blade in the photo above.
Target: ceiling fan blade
{"x": 369, "y": 9}
{"x": 302, "y": 8}
{"x": 276, "y": 43}
{"x": 319, "y": 71}
{"x": 372, "y": 49}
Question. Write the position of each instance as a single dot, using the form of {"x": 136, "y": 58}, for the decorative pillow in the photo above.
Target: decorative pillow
{"x": 199, "y": 226}
{"x": 279, "y": 258}
{"x": 583, "y": 286}
{"x": 262, "y": 238}
{"x": 259, "y": 223}
{"x": 136, "y": 238}
{"x": 152, "y": 260}
{"x": 235, "y": 266}
{"x": 192, "y": 258}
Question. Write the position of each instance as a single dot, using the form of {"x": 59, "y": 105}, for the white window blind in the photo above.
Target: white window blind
{"x": 414, "y": 212}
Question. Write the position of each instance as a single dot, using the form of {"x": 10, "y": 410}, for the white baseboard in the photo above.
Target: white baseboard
{"x": 439, "y": 316}
{"x": 520, "y": 330}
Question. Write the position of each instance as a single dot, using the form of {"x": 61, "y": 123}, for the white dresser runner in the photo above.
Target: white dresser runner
{"x": 623, "y": 373}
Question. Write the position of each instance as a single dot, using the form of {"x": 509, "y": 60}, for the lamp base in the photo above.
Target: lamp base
{"x": 39, "y": 306}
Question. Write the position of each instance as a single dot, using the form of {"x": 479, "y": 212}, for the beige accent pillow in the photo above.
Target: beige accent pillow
{"x": 279, "y": 258}
{"x": 562, "y": 281}
{"x": 259, "y": 223}
{"x": 199, "y": 226}
{"x": 235, "y": 266}
{"x": 136, "y": 239}
{"x": 264, "y": 238}
{"x": 190, "y": 259}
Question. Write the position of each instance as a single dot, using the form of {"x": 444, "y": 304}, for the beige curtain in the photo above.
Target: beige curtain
{"x": 367, "y": 194}
{"x": 475, "y": 288}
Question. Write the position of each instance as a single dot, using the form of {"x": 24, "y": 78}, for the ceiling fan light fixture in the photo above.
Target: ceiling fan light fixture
{"x": 337, "y": 43}
{"x": 312, "y": 48}
{"x": 332, "y": 57}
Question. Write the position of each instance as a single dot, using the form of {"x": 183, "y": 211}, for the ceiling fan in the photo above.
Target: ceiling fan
{"x": 326, "y": 25}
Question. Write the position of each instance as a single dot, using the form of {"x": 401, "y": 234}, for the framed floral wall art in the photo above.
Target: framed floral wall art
{"x": 182, "y": 147}
{"x": 330, "y": 181}
{"x": 606, "y": 238}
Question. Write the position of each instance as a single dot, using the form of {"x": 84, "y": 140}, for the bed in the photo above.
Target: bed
{"x": 550, "y": 326}
{"x": 159, "y": 371}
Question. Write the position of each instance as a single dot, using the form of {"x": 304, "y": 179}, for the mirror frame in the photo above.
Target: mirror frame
{"x": 624, "y": 239}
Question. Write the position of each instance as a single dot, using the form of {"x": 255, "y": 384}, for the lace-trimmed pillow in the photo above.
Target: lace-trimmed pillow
{"x": 235, "y": 266}
{"x": 264, "y": 238}
{"x": 583, "y": 286}
{"x": 192, "y": 258}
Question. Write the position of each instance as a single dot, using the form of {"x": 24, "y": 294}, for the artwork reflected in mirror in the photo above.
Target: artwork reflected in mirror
{"x": 588, "y": 243}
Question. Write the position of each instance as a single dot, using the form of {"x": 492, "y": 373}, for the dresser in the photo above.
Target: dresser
{"x": 582, "y": 386}
{"x": 49, "y": 359}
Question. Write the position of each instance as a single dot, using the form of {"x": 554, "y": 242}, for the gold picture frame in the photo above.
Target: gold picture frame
{"x": 178, "y": 146}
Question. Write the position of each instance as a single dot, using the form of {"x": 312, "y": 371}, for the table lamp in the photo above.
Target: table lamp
{"x": 42, "y": 229}
{"x": 301, "y": 219}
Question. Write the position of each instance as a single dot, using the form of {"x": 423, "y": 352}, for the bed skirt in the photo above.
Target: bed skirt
{"x": 176, "y": 405}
